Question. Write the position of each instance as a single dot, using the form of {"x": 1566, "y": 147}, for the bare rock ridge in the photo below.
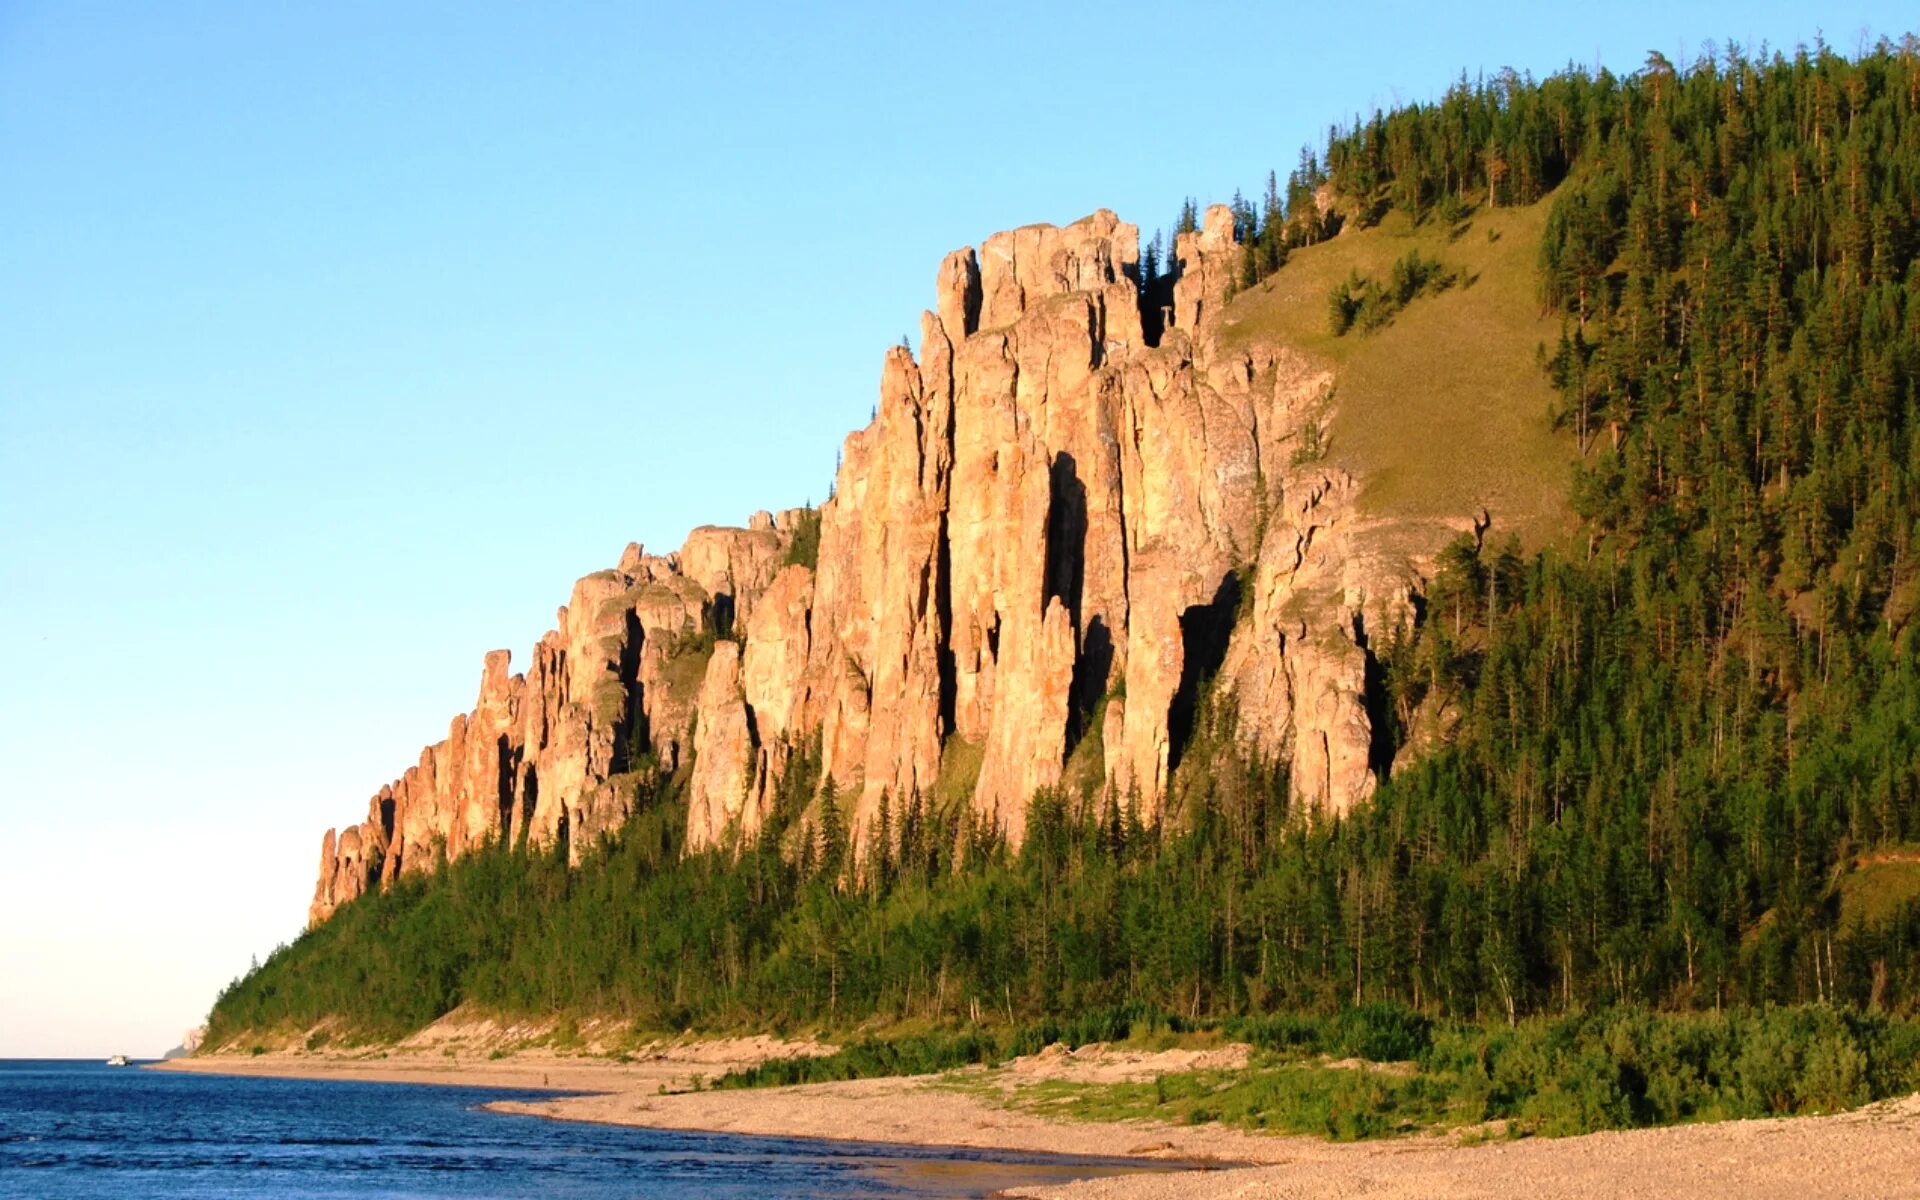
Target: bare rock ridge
{"x": 1052, "y": 530}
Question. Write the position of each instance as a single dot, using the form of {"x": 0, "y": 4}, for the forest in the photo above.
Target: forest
{"x": 1683, "y": 747}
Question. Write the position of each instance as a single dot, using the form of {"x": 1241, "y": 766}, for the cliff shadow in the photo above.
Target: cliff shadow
{"x": 506, "y": 771}
{"x": 1204, "y": 632}
{"x": 380, "y": 865}
{"x": 1384, "y": 735}
{"x": 1091, "y": 669}
{"x": 1156, "y": 304}
{"x": 632, "y": 737}
{"x": 529, "y": 799}
{"x": 1066, "y": 573}
{"x": 945, "y": 663}
{"x": 1066, "y": 549}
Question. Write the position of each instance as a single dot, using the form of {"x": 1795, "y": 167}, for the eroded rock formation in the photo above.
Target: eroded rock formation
{"x": 555, "y": 755}
{"x": 1051, "y": 529}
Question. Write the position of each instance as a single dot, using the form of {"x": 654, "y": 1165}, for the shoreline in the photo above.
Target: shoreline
{"x": 1864, "y": 1153}
{"x": 607, "y": 1092}
{"x": 657, "y": 1090}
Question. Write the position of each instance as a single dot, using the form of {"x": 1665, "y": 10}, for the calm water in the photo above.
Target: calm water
{"x": 72, "y": 1129}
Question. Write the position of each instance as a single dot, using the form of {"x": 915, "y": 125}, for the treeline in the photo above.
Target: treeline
{"x": 1285, "y": 220}
{"x": 1649, "y": 757}
{"x": 1433, "y": 897}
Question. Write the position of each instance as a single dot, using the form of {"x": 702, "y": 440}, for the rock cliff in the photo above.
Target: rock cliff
{"x": 1063, "y": 521}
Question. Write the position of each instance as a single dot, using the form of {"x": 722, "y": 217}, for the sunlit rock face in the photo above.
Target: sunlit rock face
{"x": 555, "y": 755}
{"x": 1051, "y": 530}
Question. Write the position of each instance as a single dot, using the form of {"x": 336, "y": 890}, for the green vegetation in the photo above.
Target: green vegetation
{"x": 1375, "y": 1031}
{"x": 1342, "y": 1103}
{"x": 1380, "y": 1070}
{"x": 1670, "y": 757}
{"x": 1621, "y": 1069}
{"x": 1443, "y": 410}
{"x": 1364, "y": 301}
{"x": 1876, "y": 885}
{"x": 804, "y": 548}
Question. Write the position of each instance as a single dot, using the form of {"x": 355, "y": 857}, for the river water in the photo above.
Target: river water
{"x": 82, "y": 1129}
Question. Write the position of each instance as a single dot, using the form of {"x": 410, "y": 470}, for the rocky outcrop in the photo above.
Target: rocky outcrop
{"x": 1050, "y": 529}
{"x": 773, "y": 683}
{"x": 733, "y": 565}
{"x": 1205, "y": 262}
{"x": 719, "y": 798}
{"x": 1297, "y": 668}
{"x": 553, "y": 756}
{"x": 872, "y": 690}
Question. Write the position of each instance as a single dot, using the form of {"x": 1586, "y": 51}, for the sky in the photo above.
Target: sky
{"x": 338, "y": 339}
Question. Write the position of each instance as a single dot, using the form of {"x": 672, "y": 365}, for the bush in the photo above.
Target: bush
{"x": 1384, "y": 1033}
{"x": 1835, "y": 1075}
{"x": 804, "y": 548}
{"x": 1341, "y": 307}
{"x": 1364, "y": 301}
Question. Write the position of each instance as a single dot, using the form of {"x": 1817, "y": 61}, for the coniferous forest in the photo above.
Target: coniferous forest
{"x": 1687, "y": 753}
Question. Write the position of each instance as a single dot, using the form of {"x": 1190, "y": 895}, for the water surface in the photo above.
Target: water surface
{"x": 73, "y": 1129}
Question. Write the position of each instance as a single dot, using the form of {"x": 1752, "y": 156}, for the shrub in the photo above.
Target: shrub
{"x": 1383, "y": 1032}
{"x": 1341, "y": 306}
{"x": 804, "y": 547}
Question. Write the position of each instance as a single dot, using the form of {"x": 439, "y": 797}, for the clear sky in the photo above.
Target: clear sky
{"x": 337, "y": 339}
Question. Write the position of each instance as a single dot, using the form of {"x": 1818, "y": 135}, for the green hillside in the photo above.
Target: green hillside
{"x": 1445, "y": 411}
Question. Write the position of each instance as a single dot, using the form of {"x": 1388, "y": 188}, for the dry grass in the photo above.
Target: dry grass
{"x": 1879, "y": 883}
{"x": 959, "y": 771}
{"x": 1444, "y": 412}
{"x": 686, "y": 671}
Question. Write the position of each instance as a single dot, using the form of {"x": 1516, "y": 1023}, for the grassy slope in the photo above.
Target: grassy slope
{"x": 1879, "y": 883}
{"x": 1443, "y": 412}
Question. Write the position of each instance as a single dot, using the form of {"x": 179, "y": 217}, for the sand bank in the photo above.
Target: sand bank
{"x": 1871, "y": 1153}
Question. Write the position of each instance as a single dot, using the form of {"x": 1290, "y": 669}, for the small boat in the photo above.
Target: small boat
{"x": 119, "y": 1060}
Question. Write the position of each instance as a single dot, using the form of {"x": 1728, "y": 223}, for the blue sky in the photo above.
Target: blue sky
{"x": 336, "y": 340}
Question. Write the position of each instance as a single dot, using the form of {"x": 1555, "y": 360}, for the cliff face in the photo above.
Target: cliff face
{"x": 1050, "y": 524}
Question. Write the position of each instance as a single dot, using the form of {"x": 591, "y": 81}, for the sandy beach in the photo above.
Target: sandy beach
{"x": 645, "y": 1073}
{"x": 1874, "y": 1152}
{"x": 1871, "y": 1153}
